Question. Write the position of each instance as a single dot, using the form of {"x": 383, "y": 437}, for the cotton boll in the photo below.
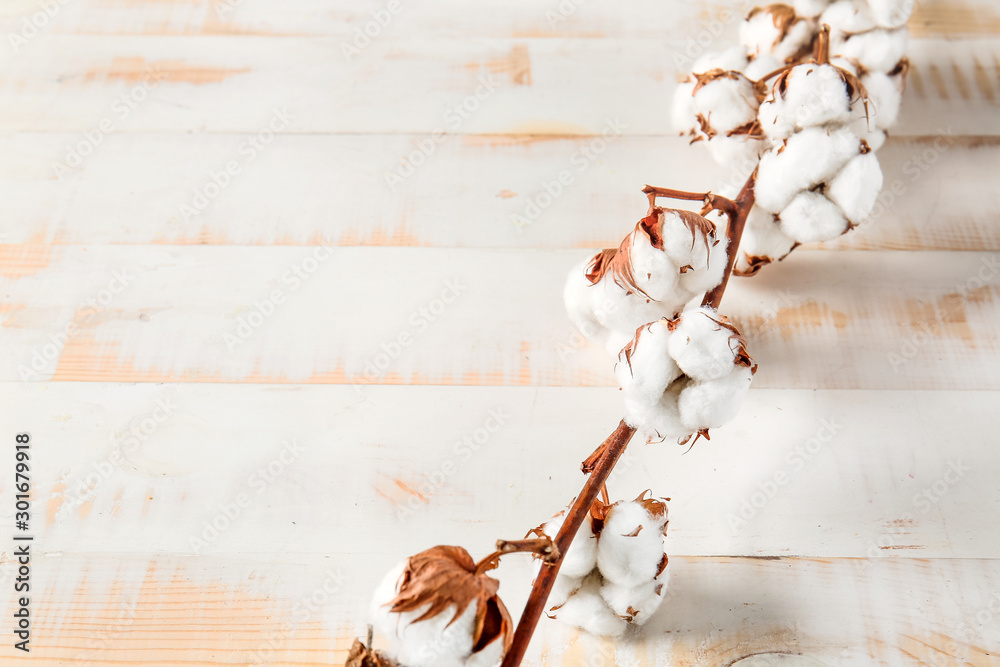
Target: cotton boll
{"x": 654, "y": 270}
{"x": 884, "y": 98}
{"x": 726, "y": 102}
{"x": 630, "y": 548}
{"x": 732, "y": 59}
{"x": 810, "y": 8}
{"x": 581, "y": 557}
{"x": 489, "y": 656}
{"x": 776, "y": 30}
{"x": 586, "y": 610}
{"x": 705, "y": 405}
{"x": 876, "y": 50}
{"x": 855, "y": 188}
{"x": 686, "y": 239}
{"x": 683, "y": 112}
{"x": 562, "y": 588}
{"x": 702, "y": 280}
{"x": 636, "y": 602}
{"x": 379, "y": 615}
{"x": 762, "y": 238}
{"x": 891, "y": 13}
{"x": 813, "y": 95}
{"x": 701, "y": 346}
{"x": 736, "y": 151}
{"x": 761, "y": 66}
{"x": 812, "y": 217}
{"x": 578, "y": 296}
{"x": 846, "y": 16}
{"x": 807, "y": 158}
{"x": 645, "y": 370}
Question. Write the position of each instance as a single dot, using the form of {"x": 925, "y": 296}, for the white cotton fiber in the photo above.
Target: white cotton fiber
{"x": 877, "y": 50}
{"x": 581, "y": 557}
{"x": 586, "y": 610}
{"x": 703, "y": 279}
{"x": 701, "y": 346}
{"x": 810, "y": 8}
{"x": 646, "y": 371}
{"x": 433, "y": 642}
{"x": 683, "y": 245}
{"x": 814, "y": 95}
{"x": 761, "y": 66}
{"x": 891, "y": 13}
{"x": 759, "y": 35}
{"x": 812, "y": 217}
{"x": 683, "y": 111}
{"x": 578, "y": 296}
{"x": 712, "y": 404}
{"x": 637, "y": 602}
{"x": 732, "y": 59}
{"x": 855, "y": 188}
{"x": 631, "y": 545}
{"x": 884, "y": 98}
{"x": 740, "y": 151}
{"x": 762, "y": 237}
{"x": 727, "y": 103}
{"x": 846, "y": 16}
{"x": 562, "y": 588}
{"x": 654, "y": 270}
{"x": 808, "y": 158}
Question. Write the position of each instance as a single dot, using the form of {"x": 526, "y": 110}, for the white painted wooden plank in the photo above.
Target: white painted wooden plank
{"x": 164, "y": 188}
{"x": 673, "y": 20}
{"x": 188, "y": 468}
{"x": 105, "y": 610}
{"x": 238, "y": 84}
{"x": 820, "y": 319}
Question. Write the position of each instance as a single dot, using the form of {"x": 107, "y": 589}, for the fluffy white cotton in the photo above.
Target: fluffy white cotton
{"x": 814, "y": 95}
{"x": 810, "y": 8}
{"x": 732, "y": 59}
{"x": 708, "y": 274}
{"x": 759, "y": 35}
{"x": 433, "y": 642}
{"x": 807, "y": 158}
{"x": 562, "y": 588}
{"x": 761, "y": 66}
{"x": 683, "y": 111}
{"x": 711, "y": 404}
{"x": 683, "y": 245}
{"x": 727, "y": 103}
{"x": 884, "y": 98}
{"x": 877, "y": 50}
{"x": 891, "y": 13}
{"x": 587, "y": 610}
{"x": 739, "y": 151}
{"x": 581, "y": 557}
{"x": 701, "y": 346}
{"x": 647, "y": 369}
{"x": 846, "y": 16}
{"x": 489, "y": 656}
{"x": 631, "y": 545}
{"x": 762, "y": 237}
{"x": 637, "y": 603}
{"x": 578, "y": 296}
{"x": 812, "y": 217}
{"x": 855, "y": 188}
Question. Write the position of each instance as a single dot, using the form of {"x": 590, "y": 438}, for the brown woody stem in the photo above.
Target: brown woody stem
{"x": 613, "y": 449}
{"x": 734, "y": 232}
{"x": 822, "y": 53}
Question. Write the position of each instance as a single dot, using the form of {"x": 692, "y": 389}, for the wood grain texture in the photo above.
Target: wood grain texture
{"x": 300, "y": 611}
{"x": 827, "y": 319}
{"x": 470, "y": 191}
{"x": 160, "y": 469}
{"x": 241, "y": 84}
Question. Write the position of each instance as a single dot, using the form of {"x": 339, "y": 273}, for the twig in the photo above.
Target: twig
{"x": 734, "y": 232}
{"x": 615, "y": 446}
{"x": 543, "y": 547}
